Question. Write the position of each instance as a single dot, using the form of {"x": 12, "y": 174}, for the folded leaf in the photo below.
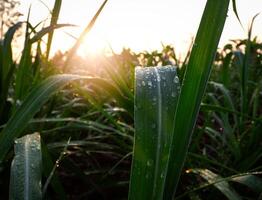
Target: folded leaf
{"x": 26, "y": 175}
{"x": 156, "y": 95}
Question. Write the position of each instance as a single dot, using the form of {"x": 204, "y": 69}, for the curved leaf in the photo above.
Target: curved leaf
{"x": 32, "y": 103}
{"x": 7, "y": 66}
{"x": 251, "y": 181}
{"x": 47, "y": 30}
{"x": 114, "y": 92}
{"x": 223, "y": 186}
{"x": 7, "y": 50}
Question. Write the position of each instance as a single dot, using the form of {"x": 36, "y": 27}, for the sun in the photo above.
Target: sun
{"x": 93, "y": 44}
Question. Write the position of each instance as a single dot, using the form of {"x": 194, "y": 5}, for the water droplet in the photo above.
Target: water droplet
{"x": 154, "y": 100}
{"x": 176, "y": 79}
{"x": 173, "y": 94}
{"x": 162, "y": 175}
{"x": 149, "y": 83}
{"x": 149, "y": 163}
{"x": 18, "y": 102}
{"x": 143, "y": 83}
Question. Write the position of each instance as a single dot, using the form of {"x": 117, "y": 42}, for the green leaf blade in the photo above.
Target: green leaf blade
{"x": 193, "y": 87}
{"x": 222, "y": 186}
{"x": 251, "y": 181}
{"x": 26, "y": 175}
{"x": 30, "y": 106}
{"x": 7, "y": 49}
{"x": 78, "y": 42}
{"x": 54, "y": 19}
{"x": 157, "y": 90}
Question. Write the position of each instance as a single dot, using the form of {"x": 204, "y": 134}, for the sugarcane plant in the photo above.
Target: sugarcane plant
{"x": 165, "y": 112}
{"x": 24, "y": 89}
{"x": 165, "y": 116}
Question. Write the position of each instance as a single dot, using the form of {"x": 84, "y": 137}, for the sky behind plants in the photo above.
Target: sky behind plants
{"x": 140, "y": 24}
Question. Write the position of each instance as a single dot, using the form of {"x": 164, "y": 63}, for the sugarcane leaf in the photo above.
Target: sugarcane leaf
{"x": 235, "y": 11}
{"x": 47, "y": 30}
{"x": 83, "y": 35}
{"x": 193, "y": 87}
{"x": 29, "y": 107}
{"x": 54, "y": 19}
{"x": 223, "y": 186}
{"x": 26, "y": 174}
{"x": 47, "y": 168}
{"x": 7, "y": 50}
{"x": 218, "y": 179}
{"x": 114, "y": 92}
{"x": 156, "y": 96}
{"x": 251, "y": 181}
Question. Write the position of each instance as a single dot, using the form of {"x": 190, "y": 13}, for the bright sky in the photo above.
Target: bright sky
{"x": 140, "y": 24}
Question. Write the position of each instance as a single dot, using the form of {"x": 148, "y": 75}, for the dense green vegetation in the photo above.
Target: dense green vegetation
{"x": 86, "y": 118}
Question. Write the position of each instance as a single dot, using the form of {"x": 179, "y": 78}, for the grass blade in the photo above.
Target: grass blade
{"x": 114, "y": 92}
{"x": 236, "y": 178}
{"x": 55, "y": 15}
{"x": 155, "y": 102}
{"x": 32, "y": 103}
{"x": 245, "y": 74}
{"x": 82, "y": 36}
{"x": 38, "y": 36}
{"x": 23, "y": 78}
{"x": 26, "y": 175}
{"x": 47, "y": 168}
{"x": 223, "y": 186}
{"x": 7, "y": 49}
{"x": 235, "y": 11}
{"x": 193, "y": 87}
{"x": 250, "y": 181}
{"x": 7, "y": 66}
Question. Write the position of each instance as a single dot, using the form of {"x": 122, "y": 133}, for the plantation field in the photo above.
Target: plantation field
{"x": 146, "y": 125}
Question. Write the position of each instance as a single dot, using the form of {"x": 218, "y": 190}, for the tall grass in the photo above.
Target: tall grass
{"x": 185, "y": 115}
{"x": 102, "y": 113}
